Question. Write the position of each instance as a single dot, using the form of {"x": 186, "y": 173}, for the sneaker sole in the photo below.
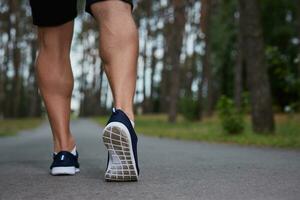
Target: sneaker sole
{"x": 121, "y": 166}
{"x": 55, "y": 171}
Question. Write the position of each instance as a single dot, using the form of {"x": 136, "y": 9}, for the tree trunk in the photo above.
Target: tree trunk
{"x": 95, "y": 108}
{"x": 35, "y": 99}
{"x": 257, "y": 77}
{"x": 5, "y": 64}
{"x": 82, "y": 85}
{"x": 192, "y": 73}
{"x": 144, "y": 103}
{"x": 175, "y": 51}
{"x": 101, "y": 85}
{"x": 238, "y": 70}
{"x": 165, "y": 74}
{"x": 298, "y": 28}
{"x": 153, "y": 70}
{"x": 206, "y": 76}
{"x": 106, "y": 94}
{"x": 15, "y": 104}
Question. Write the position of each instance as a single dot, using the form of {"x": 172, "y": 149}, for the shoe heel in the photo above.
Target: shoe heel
{"x": 121, "y": 165}
{"x": 55, "y": 171}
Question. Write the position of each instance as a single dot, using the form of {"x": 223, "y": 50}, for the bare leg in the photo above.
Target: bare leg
{"x": 118, "y": 50}
{"x": 55, "y": 80}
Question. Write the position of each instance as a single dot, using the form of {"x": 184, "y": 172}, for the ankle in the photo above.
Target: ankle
{"x": 130, "y": 116}
{"x": 128, "y": 112}
{"x": 65, "y": 145}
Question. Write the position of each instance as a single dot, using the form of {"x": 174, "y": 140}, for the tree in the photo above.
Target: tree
{"x": 238, "y": 70}
{"x": 175, "y": 51}
{"x": 257, "y": 77}
{"x": 298, "y": 28}
{"x": 18, "y": 94}
{"x": 205, "y": 82}
{"x": 165, "y": 74}
{"x": 35, "y": 108}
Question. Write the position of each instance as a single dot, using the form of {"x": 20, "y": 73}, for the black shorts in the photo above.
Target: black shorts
{"x": 58, "y": 12}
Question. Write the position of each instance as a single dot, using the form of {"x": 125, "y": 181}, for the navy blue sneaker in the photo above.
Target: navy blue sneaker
{"x": 64, "y": 163}
{"x": 121, "y": 140}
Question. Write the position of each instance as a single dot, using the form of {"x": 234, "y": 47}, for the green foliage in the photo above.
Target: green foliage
{"x": 189, "y": 108}
{"x": 283, "y": 77}
{"x": 232, "y": 119}
{"x": 279, "y": 20}
{"x": 246, "y": 107}
{"x": 223, "y": 40}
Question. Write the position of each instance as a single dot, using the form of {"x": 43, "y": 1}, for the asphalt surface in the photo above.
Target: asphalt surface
{"x": 170, "y": 169}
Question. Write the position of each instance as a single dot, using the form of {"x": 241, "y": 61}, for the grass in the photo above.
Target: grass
{"x": 9, "y": 127}
{"x": 287, "y": 133}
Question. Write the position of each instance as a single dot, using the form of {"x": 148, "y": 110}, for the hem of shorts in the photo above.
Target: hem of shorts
{"x": 64, "y": 21}
{"x": 88, "y": 6}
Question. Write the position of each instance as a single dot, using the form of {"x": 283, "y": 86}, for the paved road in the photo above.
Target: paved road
{"x": 170, "y": 170}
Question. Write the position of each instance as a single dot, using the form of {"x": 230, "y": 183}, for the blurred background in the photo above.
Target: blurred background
{"x": 209, "y": 70}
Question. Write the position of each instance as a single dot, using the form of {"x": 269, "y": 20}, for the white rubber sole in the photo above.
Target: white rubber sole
{"x": 121, "y": 165}
{"x": 64, "y": 171}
